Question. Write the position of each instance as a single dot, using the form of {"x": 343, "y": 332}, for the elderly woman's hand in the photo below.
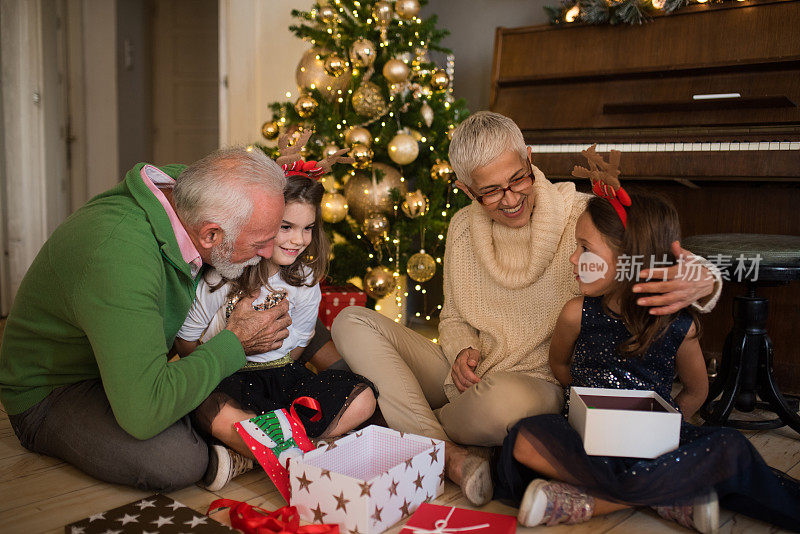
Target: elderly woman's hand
{"x": 463, "y": 371}
{"x": 677, "y": 286}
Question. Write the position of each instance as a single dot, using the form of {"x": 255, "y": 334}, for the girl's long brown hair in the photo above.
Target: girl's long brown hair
{"x": 653, "y": 226}
{"x": 314, "y": 257}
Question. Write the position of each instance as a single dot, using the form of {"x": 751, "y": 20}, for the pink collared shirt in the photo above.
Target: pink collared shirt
{"x": 156, "y": 180}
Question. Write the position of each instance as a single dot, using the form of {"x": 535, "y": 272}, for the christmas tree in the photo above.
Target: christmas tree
{"x": 368, "y": 84}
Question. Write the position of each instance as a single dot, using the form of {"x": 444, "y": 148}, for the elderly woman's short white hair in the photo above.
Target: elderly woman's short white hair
{"x": 479, "y": 139}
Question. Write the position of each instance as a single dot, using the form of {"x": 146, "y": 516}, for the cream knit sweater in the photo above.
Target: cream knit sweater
{"x": 504, "y": 287}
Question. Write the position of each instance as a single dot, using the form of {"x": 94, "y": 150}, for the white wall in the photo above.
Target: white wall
{"x": 258, "y": 57}
{"x": 472, "y": 26}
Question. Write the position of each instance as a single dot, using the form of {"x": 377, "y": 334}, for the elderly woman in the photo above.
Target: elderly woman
{"x": 506, "y": 277}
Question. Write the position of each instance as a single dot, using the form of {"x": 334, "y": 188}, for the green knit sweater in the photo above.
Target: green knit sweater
{"x": 105, "y": 298}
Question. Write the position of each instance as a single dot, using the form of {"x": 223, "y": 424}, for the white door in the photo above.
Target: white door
{"x": 185, "y": 80}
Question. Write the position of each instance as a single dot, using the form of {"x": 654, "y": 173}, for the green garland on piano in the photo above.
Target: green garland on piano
{"x": 609, "y": 11}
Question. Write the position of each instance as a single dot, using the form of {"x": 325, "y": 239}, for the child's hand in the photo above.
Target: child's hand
{"x": 463, "y": 371}
{"x": 259, "y": 330}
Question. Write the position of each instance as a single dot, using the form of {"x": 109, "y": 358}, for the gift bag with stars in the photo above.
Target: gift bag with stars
{"x": 367, "y": 481}
{"x": 276, "y": 437}
{"x": 156, "y": 513}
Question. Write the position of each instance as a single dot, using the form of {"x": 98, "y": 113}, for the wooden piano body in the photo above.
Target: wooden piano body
{"x": 703, "y": 104}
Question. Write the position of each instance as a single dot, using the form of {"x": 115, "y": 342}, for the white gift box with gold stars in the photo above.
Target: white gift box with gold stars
{"x": 367, "y": 481}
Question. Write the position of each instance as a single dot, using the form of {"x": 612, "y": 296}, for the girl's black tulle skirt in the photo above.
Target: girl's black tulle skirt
{"x": 708, "y": 457}
{"x": 265, "y": 390}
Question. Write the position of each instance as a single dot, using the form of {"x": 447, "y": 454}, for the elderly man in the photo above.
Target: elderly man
{"x": 506, "y": 277}
{"x": 84, "y": 370}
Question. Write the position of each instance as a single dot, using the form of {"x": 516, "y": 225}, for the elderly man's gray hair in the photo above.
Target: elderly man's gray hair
{"x": 479, "y": 139}
{"x": 218, "y": 188}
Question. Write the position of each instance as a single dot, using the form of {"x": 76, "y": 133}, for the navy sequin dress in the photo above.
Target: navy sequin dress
{"x": 708, "y": 457}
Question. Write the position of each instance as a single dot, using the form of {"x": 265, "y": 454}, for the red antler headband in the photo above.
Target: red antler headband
{"x": 605, "y": 180}
{"x": 293, "y": 164}
{"x": 309, "y": 169}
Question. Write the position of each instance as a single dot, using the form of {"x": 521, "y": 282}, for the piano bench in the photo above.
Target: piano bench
{"x": 746, "y": 374}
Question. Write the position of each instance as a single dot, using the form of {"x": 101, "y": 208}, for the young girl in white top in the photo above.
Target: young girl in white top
{"x": 272, "y": 380}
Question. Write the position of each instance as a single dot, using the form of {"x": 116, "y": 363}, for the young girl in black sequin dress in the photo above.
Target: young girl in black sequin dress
{"x": 272, "y": 380}
{"x": 604, "y": 339}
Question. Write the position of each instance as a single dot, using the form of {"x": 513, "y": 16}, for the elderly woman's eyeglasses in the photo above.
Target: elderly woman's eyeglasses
{"x": 495, "y": 195}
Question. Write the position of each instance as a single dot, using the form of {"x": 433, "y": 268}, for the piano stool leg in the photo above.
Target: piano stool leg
{"x": 769, "y": 392}
{"x": 716, "y": 412}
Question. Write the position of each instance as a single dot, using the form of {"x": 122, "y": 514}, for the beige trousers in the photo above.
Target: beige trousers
{"x": 409, "y": 369}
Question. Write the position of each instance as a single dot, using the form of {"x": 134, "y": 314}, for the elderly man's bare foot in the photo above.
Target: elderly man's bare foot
{"x": 471, "y": 473}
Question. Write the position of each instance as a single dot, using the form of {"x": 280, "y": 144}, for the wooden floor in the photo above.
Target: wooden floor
{"x": 42, "y": 494}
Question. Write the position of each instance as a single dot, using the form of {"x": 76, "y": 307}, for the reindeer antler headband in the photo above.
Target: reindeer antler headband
{"x": 293, "y": 164}
{"x": 605, "y": 180}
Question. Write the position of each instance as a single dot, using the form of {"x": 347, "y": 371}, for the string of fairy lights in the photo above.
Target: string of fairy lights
{"x": 617, "y": 11}
{"x": 367, "y": 84}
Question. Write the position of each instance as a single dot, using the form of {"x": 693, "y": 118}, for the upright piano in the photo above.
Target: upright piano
{"x": 703, "y": 103}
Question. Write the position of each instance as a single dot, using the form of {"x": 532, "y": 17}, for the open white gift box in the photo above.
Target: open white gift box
{"x": 367, "y": 481}
{"x": 624, "y": 422}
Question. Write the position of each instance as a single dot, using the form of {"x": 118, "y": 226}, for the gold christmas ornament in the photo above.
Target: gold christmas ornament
{"x": 396, "y": 71}
{"x": 382, "y": 13}
{"x": 421, "y": 267}
{"x": 311, "y": 72}
{"x": 375, "y": 227}
{"x": 368, "y": 101}
{"x": 270, "y": 130}
{"x": 442, "y": 170}
{"x": 440, "y": 80}
{"x": 427, "y": 114}
{"x": 327, "y": 14}
{"x": 363, "y": 53}
{"x": 358, "y": 134}
{"x": 403, "y": 149}
{"x": 415, "y": 204}
{"x": 362, "y": 154}
{"x": 335, "y": 66}
{"x": 334, "y": 207}
{"x": 415, "y": 134}
{"x": 367, "y": 192}
{"x": 423, "y": 91}
{"x": 306, "y": 105}
{"x": 330, "y": 183}
{"x": 406, "y": 9}
{"x": 329, "y": 150}
{"x": 379, "y": 282}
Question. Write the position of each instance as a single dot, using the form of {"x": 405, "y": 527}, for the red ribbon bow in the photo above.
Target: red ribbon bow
{"x": 619, "y": 199}
{"x": 254, "y": 520}
{"x": 309, "y": 169}
{"x": 310, "y": 403}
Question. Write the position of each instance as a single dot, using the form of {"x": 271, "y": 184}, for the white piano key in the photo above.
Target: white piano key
{"x": 669, "y": 147}
{"x": 601, "y": 147}
{"x": 677, "y": 147}
{"x": 697, "y": 147}
{"x": 784, "y": 145}
{"x": 736, "y": 146}
{"x": 763, "y": 145}
{"x": 725, "y": 147}
{"x": 650, "y": 147}
{"x": 705, "y": 147}
{"x": 774, "y": 145}
{"x": 660, "y": 147}
{"x": 794, "y": 145}
{"x": 715, "y": 147}
{"x": 626, "y": 147}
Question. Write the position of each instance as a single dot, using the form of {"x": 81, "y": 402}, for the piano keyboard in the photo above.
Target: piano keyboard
{"x": 670, "y": 147}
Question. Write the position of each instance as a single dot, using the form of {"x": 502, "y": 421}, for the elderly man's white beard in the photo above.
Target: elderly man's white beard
{"x": 221, "y": 261}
